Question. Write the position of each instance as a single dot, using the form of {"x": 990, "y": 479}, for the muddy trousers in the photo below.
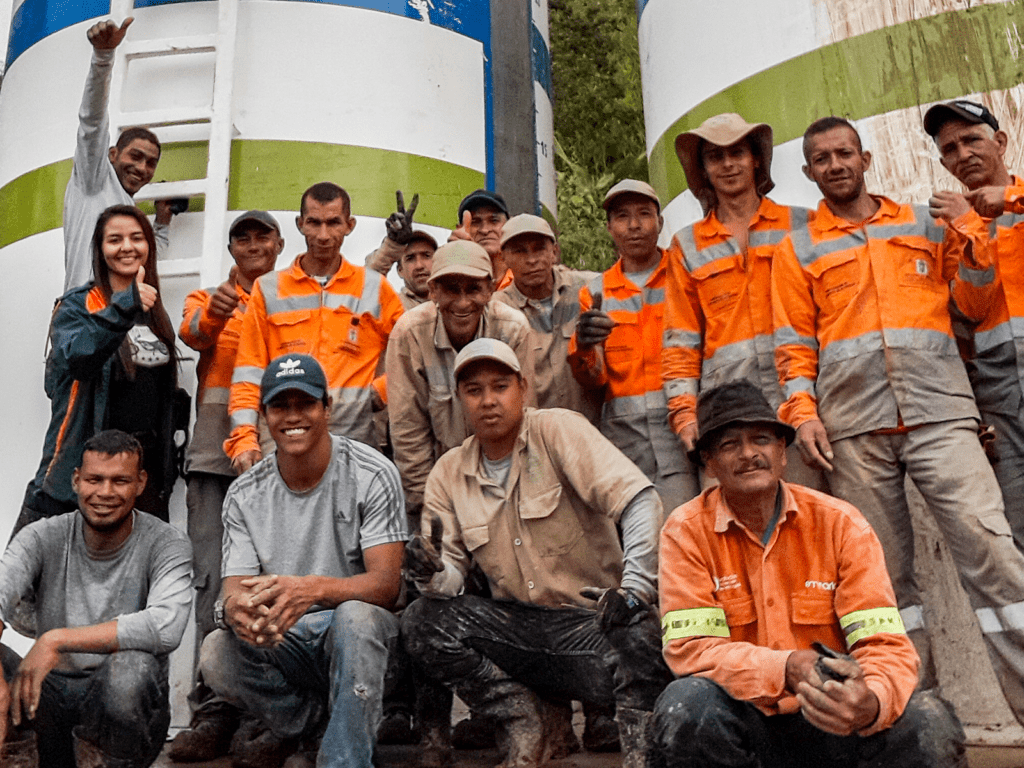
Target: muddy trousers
{"x": 121, "y": 708}
{"x": 949, "y": 467}
{"x": 698, "y": 725}
{"x": 330, "y": 666}
{"x": 1009, "y": 467}
{"x": 558, "y": 653}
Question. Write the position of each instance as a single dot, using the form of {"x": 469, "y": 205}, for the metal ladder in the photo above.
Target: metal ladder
{"x": 213, "y": 123}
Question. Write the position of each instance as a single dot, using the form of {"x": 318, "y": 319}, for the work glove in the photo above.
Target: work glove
{"x": 423, "y": 556}
{"x": 594, "y": 326}
{"x": 399, "y": 223}
{"x": 619, "y": 607}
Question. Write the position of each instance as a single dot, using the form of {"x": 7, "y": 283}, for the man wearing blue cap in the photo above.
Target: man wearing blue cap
{"x": 313, "y": 543}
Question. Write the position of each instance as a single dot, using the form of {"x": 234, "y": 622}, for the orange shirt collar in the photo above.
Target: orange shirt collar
{"x": 724, "y": 516}
{"x": 616, "y": 278}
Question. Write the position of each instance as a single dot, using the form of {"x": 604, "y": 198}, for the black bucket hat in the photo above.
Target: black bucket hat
{"x": 738, "y": 402}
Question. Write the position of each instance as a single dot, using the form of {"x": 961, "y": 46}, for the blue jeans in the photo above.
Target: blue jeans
{"x": 331, "y": 664}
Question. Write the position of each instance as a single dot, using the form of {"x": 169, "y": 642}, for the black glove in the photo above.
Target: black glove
{"x": 423, "y": 556}
{"x": 399, "y": 223}
{"x": 594, "y": 326}
{"x": 616, "y": 607}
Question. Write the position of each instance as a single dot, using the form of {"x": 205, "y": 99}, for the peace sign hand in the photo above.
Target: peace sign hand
{"x": 399, "y": 223}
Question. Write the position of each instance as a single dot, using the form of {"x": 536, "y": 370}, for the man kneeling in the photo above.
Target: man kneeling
{"x": 537, "y": 499}
{"x": 313, "y": 542}
{"x": 113, "y": 591}
{"x": 756, "y": 571}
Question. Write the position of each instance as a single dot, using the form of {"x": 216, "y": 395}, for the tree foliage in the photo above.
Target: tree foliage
{"x": 598, "y": 116}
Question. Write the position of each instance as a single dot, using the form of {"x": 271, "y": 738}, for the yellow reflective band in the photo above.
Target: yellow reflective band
{"x": 861, "y": 624}
{"x": 693, "y": 622}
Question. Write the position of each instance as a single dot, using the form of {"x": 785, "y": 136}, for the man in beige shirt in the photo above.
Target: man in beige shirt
{"x": 548, "y": 293}
{"x": 425, "y": 419}
{"x": 540, "y": 501}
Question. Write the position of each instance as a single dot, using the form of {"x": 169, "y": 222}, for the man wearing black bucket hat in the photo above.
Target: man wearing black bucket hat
{"x": 752, "y": 573}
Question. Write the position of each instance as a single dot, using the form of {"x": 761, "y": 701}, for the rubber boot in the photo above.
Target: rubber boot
{"x": 516, "y": 708}
{"x": 634, "y": 736}
{"x": 433, "y": 717}
{"x": 88, "y": 755}
{"x": 560, "y": 739}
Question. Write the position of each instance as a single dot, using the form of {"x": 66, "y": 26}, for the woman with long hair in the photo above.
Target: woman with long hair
{"x": 112, "y": 365}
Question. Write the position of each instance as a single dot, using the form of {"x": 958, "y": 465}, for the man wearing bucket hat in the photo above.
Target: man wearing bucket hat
{"x": 718, "y": 322}
{"x": 211, "y": 325}
{"x": 548, "y": 293}
{"x": 877, "y": 391}
{"x": 616, "y": 349}
{"x": 972, "y": 148}
{"x": 313, "y": 542}
{"x": 425, "y": 418}
{"x": 752, "y": 574}
{"x": 561, "y": 524}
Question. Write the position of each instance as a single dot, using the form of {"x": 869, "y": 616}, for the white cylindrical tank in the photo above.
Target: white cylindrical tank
{"x": 881, "y": 63}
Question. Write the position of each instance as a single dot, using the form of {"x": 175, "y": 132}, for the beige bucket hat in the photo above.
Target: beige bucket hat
{"x": 723, "y": 130}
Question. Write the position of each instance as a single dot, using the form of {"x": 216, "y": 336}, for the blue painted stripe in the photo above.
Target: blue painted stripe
{"x": 541, "y": 61}
{"x": 640, "y": 6}
{"x": 36, "y": 19}
{"x": 151, "y": 3}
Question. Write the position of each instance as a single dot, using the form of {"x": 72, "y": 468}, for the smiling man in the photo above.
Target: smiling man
{"x": 102, "y": 176}
{"x": 426, "y": 420}
{"x": 313, "y": 542}
{"x": 324, "y": 306}
{"x": 482, "y": 214}
{"x": 563, "y": 526}
{"x": 751, "y": 573}
{"x": 972, "y": 148}
{"x": 876, "y": 389}
{"x": 113, "y": 593}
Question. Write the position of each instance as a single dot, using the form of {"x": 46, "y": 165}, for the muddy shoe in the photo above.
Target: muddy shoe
{"x": 207, "y": 739}
{"x": 435, "y": 749}
{"x": 255, "y": 746}
{"x": 396, "y": 728}
{"x": 475, "y": 732}
{"x": 600, "y": 734}
{"x": 560, "y": 738}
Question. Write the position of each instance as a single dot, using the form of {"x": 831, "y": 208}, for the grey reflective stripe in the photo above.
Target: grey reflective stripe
{"x": 808, "y": 254}
{"x": 676, "y": 338}
{"x": 349, "y": 395}
{"x": 247, "y": 374}
{"x": 767, "y": 237}
{"x": 689, "y": 247}
{"x": 636, "y": 404}
{"x": 278, "y": 304}
{"x": 697, "y": 258}
{"x": 596, "y": 286}
{"x": 216, "y": 395}
{"x": 679, "y": 387}
{"x": 923, "y": 339}
{"x": 739, "y": 350}
{"x": 977, "y": 277}
{"x": 368, "y": 303}
{"x": 633, "y": 304}
{"x": 1007, "y": 221}
{"x": 844, "y": 349}
{"x": 799, "y": 384}
{"x": 798, "y": 217}
{"x": 334, "y": 300}
{"x": 923, "y": 225}
{"x": 654, "y": 296}
{"x": 786, "y": 335}
{"x": 913, "y": 617}
{"x": 1008, "y": 618}
{"x": 193, "y": 326}
{"x": 244, "y": 417}
{"x": 993, "y": 337}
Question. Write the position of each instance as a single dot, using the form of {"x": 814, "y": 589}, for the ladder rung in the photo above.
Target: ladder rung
{"x": 161, "y": 190}
{"x": 178, "y": 267}
{"x": 170, "y": 46}
{"x": 169, "y": 116}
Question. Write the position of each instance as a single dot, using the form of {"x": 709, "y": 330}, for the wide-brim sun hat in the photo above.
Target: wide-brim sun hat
{"x": 723, "y": 131}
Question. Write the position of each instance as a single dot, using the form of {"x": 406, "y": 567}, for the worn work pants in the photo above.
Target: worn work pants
{"x": 949, "y": 467}
{"x": 559, "y": 653}
{"x": 698, "y": 725}
{"x": 121, "y": 708}
{"x": 330, "y": 665}
{"x": 1009, "y": 469}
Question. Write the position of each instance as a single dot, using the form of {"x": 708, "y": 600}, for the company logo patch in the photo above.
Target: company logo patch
{"x": 290, "y": 367}
{"x": 826, "y": 585}
{"x": 732, "y": 581}
{"x": 921, "y": 266}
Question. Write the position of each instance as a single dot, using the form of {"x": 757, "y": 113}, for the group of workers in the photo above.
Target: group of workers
{"x": 526, "y": 526}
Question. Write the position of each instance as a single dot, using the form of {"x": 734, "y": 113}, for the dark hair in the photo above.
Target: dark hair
{"x": 325, "y": 192}
{"x": 128, "y": 135}
{"x": 112, "y": 442}
{"x": 762, "y": 181}
{"x": 156, "y": 318}
{"x": 824, "y": 124}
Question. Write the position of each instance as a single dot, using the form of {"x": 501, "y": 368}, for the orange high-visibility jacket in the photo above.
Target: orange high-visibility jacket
{"x": 733, "y": 609}
{"x": 862, "y": 326}
{"x": 345, "y": 325}
{"x": 215, "y": 338}
{"x": 628, "y": 368}
{"x": 994, "y": 299}
{"x": 718, "y": 315}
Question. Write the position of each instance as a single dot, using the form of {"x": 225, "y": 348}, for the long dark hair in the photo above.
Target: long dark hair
{"x": 156, "y": 318}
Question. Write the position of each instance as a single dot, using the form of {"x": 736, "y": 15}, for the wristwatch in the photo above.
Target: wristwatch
{"x": 218, "y": 614}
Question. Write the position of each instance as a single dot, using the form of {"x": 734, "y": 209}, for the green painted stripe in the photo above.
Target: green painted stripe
{"x": 269, "y": 175}
{"x": 917, "y": 62}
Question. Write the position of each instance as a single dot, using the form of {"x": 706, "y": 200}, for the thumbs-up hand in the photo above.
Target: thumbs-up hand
{"x": 594, "y": 326}
{"x": 147, "y": 293}
{"x": 106, "y": 35}
{"x": 462, "y": 233}
{"x": 225, "y": 298}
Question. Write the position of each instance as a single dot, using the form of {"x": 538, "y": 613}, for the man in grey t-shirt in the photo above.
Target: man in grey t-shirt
{"x": 113, "y": 593}
{"x": 313, "y": 542}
